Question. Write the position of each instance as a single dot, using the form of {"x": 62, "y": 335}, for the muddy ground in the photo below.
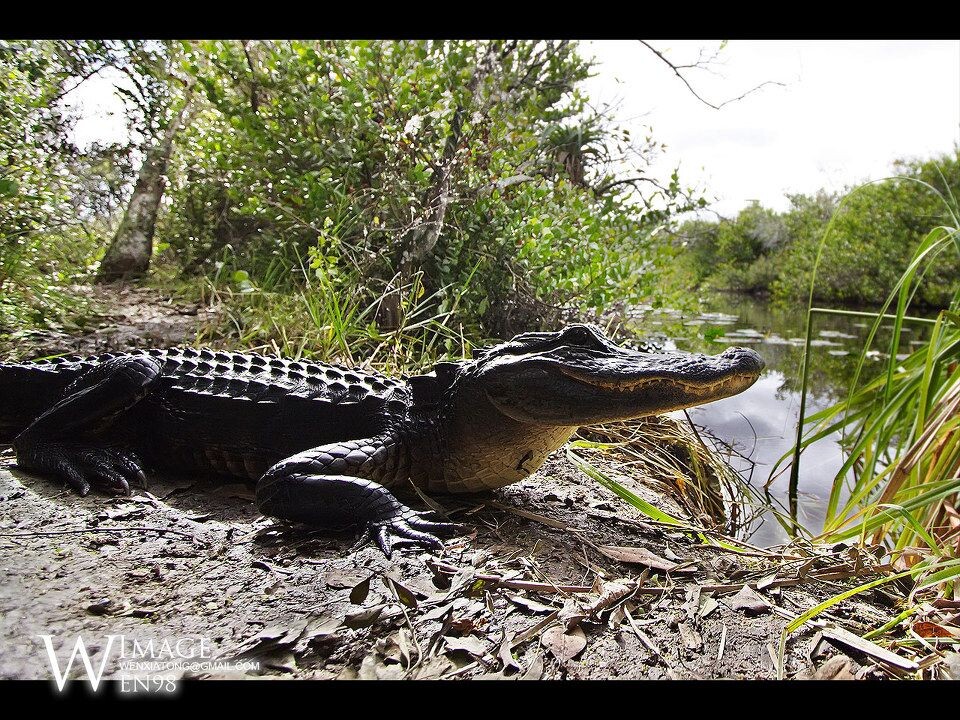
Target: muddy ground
{"x": 557, "y": 578}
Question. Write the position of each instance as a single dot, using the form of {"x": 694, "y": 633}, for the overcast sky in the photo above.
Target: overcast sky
{"x": 846, "y": 111}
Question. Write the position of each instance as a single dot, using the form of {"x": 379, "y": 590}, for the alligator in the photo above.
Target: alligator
{"x": 326, "y": 445}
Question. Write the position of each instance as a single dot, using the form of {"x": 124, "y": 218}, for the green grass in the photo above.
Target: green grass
{"x": 899, "y": 487}
{"x": 36, "y": 274}
{"x": 300, "y": 311}
{"x": 899, "y": 430}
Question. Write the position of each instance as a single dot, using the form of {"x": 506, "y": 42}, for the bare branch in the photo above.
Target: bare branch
{"x": 627, "y": 181}
{"x": 80, "y": 81}
{"x": 702, "y": 65}
{"x": 253, "y": 76}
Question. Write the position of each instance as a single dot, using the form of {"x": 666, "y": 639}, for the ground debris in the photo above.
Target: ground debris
{"x": 749, "y": 601}
{"x": 522, "y": 599}
{"x": 837, "y": 667}
{"x": 564, "y": 643}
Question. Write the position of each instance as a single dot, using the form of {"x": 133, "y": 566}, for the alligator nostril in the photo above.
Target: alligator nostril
{"x": 750, "y": 360}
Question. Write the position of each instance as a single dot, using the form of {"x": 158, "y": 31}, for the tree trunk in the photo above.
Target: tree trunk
{"x": 130, "y": 250}
{"x": 421, "y": 239}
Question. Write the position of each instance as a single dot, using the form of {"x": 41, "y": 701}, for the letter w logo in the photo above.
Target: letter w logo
{"x": 78, "y": 649}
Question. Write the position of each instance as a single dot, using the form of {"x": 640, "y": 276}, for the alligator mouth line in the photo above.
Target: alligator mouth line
{"x": 693, "y": 388}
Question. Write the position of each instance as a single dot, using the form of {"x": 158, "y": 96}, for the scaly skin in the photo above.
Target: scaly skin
{"x": 325, "y": 444}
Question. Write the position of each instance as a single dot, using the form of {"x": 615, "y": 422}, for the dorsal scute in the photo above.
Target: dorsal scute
{"x": 429, "y": 388}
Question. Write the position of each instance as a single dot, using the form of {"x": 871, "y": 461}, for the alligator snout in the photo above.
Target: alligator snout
{"x": 744, "y": 359}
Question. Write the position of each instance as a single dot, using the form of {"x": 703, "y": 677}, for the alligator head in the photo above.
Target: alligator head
{"x": 578, "y": 377}
{"x": 514, "y": 403}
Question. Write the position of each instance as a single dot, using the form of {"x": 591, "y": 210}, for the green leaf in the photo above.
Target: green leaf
{"x": 8, "y": 187}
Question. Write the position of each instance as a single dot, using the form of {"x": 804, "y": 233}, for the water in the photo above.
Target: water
{"x": 761, "y": 422}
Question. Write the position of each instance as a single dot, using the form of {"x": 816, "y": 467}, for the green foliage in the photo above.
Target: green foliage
{"x": 39, "y": 238}
{"x": 339, "y": 152}
{"x": 900, "y": 483}
{"x": 471, "y": 174}
{"x": 878, "y": 228}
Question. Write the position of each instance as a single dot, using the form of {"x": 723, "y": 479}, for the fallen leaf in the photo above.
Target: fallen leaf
{"x": 852, "y": 640}
{"x": 927, "y": 629}
{"x": 438, "y": 612}
{"x": 372, "y": 669}
{"x": 435, "y": 668}
{"x": 907, "y": 559}
{"x": 534, "y": 670}
{"x": 531, "y": 605}
{"x": 406, "y": 645}
{"x": 749, "y": 601}
{"x": 636, "y": 556}
{"x": 573, "y": 613}
{"x": 342, "y": 579}
{"x": 402, "y": 593}
{"x": 360, "y": 591}
{"x": 388, "y": 648}
{"x": 468, "y": 644}
{"x": 273, "y": 638}
{"x": 494, "y": 676}
{"x": 563, "y": 644}
{"x": 505, "y": 654}
{"x": 364, "y": 618}
{"x": 671, "y": 555}
{"x": 322, "y": 627}
{"x": 707, "y": 605}
{"x": 766, "y": 581}
{"x": 836, "y": 668}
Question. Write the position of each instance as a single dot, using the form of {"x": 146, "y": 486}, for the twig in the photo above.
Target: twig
{"x": 676, "y": 71}
{"x": 49, "y": 533}
{"x": 872, "y": 649}
{"x": 644, "y": 638}
{"x": 528, "y": 515}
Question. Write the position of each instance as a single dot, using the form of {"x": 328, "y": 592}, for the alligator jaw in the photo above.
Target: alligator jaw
{"x": 709, "y": 377}
{"x": 578, "y": 386}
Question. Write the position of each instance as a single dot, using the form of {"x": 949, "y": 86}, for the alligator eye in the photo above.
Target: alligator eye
{"x": 582, "y": 335}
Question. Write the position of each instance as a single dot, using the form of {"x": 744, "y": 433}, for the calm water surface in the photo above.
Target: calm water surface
{"x": 761, "y": 422}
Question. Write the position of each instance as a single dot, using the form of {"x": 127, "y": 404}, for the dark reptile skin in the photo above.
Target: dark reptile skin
{"x": 468, "y": 426}
{"x": 229, "y": 413}
{"x": 325, "y": 443}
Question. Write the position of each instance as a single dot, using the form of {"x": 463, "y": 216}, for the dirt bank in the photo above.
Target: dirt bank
{"x": 558, "y": 578}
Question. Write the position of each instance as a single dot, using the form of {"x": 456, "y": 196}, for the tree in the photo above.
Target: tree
{"x": 372, "y": 163}
{"x": 159, "y": 100}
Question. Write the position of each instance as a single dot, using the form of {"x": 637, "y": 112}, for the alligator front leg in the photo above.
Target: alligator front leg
{"x": 62, "y": 441}
{"x": 335, "y": 485}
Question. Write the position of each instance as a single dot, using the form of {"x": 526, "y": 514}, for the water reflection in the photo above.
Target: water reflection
{"x": 760, "y": 424}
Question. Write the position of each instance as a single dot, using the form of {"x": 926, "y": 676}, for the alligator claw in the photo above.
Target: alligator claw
{"x": 407, "y": 529}
{"x": 83, "y": 466}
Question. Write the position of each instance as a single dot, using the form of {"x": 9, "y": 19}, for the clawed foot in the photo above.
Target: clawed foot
{"x": 409, "y": 528}
{"x": 83, "y": 466}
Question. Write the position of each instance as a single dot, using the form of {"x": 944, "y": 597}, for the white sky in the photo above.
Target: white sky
{"x": 848, "y": 109}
